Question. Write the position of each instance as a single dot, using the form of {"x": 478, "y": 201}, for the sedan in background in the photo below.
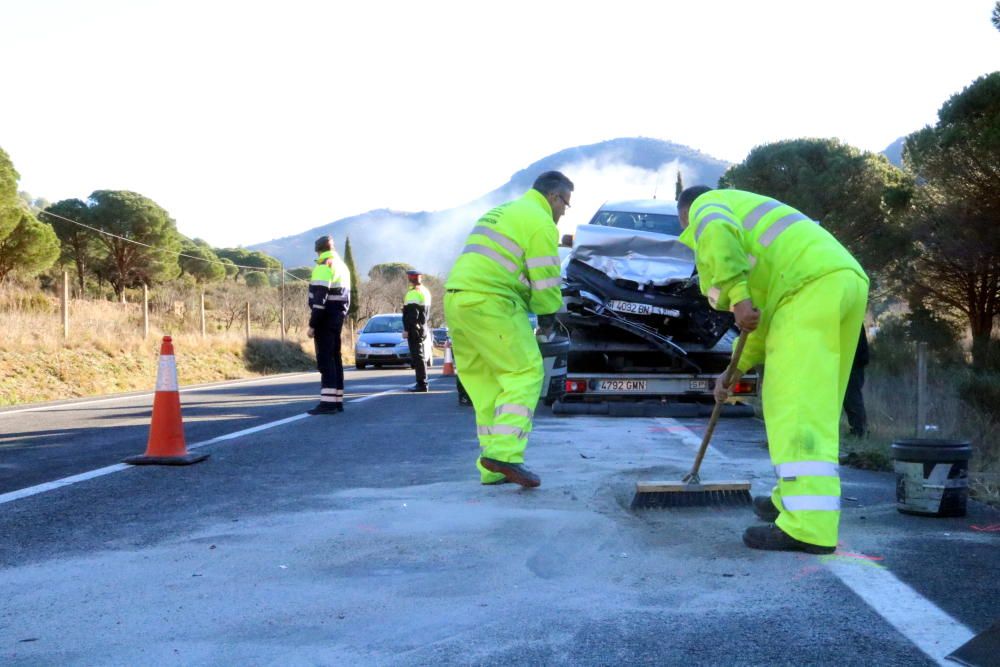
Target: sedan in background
{"x": 381, "y": 343}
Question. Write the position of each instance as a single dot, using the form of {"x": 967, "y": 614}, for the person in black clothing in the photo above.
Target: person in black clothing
{"x": 416, "y": 311}
{"x": 854, "y": 402}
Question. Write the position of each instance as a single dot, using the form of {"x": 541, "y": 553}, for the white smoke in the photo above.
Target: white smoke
{"x": 433, "y": 245}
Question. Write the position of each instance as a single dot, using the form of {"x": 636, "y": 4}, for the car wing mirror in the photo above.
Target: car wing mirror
{"x": 567, "y": 241}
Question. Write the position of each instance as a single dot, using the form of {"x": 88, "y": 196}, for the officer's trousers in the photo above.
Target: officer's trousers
{"x": 501, "y": 368}
{"x": 326, "y": 340}
{"x": 809, "y": 348}
{"x": 415, "y": 339}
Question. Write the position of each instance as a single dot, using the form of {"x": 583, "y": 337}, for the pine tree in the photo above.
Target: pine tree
{"x": 352, "y": 311}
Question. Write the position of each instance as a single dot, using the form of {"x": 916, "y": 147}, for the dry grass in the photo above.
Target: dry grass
{"x": 891, "y": 404}
{"x": 106, "y": 352}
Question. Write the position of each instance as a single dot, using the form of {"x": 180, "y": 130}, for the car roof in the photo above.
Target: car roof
{"x": 641, "y": 206}
{"x": 386, "y": 315}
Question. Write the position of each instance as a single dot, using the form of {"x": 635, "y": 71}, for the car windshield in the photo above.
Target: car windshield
{"x": 659, "y": 223}
{"x": 384, "y": 325}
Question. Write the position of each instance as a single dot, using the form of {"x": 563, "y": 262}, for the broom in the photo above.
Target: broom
{"x": 691, "y": 491}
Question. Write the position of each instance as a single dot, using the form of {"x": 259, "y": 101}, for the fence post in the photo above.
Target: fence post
{"x": 921, "y": 389}
{"x": 65, "y": 305}
{"x": 248, "y": 320}
{"x": 202, "y": 309}
{"x": 145, "y": 310}
{"x": 281, "y": 298}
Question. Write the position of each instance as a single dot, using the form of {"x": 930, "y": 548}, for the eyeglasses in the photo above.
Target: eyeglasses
{"x": 564, "y": 200}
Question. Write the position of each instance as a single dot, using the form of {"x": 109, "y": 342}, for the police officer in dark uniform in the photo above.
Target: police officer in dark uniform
{"x": 329, "y": 299}
{"x": 416, "y": 311}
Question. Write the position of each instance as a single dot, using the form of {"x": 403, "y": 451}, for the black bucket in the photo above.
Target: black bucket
{"x": 555, "y": 354}
{"x": 932, "y": 476}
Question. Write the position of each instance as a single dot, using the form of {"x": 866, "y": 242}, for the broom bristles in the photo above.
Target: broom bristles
{"x": 678, "y": 494}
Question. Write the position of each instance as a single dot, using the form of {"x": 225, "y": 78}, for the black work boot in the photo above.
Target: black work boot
{"x": 514, "y": 472}
{"x": 772, "y": 538}
{"x": 764, "y": 508}
{"x": 418, "y": 389}
{"x": 502, "y": 480}
{"x": 325, "y": 408}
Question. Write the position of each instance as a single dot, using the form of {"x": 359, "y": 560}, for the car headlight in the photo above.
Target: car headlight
{"x": 362, "y": 345}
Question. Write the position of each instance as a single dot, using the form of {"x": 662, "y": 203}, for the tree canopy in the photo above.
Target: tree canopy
{"x": 200, "y": 262}
{"x": 10, "y": 204}
{"x": 389, "y": 270}
{"x": 80, "y": 246}
{"x": 30, "y": 248}
{"x": 145, "y": 242}
{"x": 855, "y": 195}
{"x": 955, "y": 247}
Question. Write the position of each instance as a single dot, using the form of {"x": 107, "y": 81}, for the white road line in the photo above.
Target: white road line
{"x": 689, "y": 438}
{"x": 215, "y": 385}
{"x": 915, "y": 617}
{"x": 107, "y": 470}
{"x": 59, "y": 483}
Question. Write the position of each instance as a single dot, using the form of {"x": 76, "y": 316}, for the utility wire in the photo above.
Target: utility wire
{"x": 170, "y": 252}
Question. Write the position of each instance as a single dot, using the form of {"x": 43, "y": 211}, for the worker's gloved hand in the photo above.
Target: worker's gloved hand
{"x": 546, "y": 324}
{"x": 747, "y": 317}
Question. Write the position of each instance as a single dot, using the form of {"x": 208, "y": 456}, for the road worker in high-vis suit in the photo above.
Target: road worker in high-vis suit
{"x": 508, "y": 268}
{"x": 803, "y": 298}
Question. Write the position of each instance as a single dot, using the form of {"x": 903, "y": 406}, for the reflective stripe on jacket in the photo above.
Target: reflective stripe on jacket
{"x": 748, "y": 246}
{"x": 513, "y": 251}
{"x": 329, "y": 288}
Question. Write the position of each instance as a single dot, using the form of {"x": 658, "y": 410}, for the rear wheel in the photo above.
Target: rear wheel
{"x": 360, "y": 365}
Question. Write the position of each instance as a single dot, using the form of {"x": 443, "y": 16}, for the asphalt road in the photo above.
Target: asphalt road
{"x": 365, "y": 538}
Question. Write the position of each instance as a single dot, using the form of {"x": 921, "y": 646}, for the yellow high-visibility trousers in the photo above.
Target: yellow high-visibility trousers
{"x": 500, "y": 364}
{"x": 809, "y": 349}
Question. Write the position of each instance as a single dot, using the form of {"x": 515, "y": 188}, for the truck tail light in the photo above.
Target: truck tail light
{"x": 576, "y": 386}
{"x": 744, "y": 387}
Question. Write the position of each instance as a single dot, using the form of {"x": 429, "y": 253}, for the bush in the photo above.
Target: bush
{"x": 264, "y": 355}
{"x": 981, "y": 391}
{"x": 894, "y": 349}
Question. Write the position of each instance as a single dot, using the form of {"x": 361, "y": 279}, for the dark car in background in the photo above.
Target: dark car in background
{"x": 440, "y": 336}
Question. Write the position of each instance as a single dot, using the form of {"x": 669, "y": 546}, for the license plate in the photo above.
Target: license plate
{"x": 699, "y": 385}
{"x": 640, "y": 308}
{"x": 623, "y": 385}
{"x": 382, "y": 352}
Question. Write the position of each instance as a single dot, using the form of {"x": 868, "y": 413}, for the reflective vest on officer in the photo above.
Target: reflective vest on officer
{"x": 329, "y": 288}
{"x": 416, "y": 306}
{"x": 513, "y": 251}
{"x": 748, "y": 246}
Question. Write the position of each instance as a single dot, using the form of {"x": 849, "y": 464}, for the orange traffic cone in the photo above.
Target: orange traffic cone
{"x": 166, "y": 430}
{"x": 449, "y": 361}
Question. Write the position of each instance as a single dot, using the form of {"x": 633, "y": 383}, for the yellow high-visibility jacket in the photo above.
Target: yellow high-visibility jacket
{"x": 329, "y": 289}
{"x": 513, "y": 251}
{"x": 748, "y": 246}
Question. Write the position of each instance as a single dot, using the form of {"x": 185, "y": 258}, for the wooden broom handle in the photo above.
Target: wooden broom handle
{"x": 692, "y": 476}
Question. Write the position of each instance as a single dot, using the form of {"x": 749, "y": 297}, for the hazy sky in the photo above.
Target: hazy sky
{"x": 252, "y": 120}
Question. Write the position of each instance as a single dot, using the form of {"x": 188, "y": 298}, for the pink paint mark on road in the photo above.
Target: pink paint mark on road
{"x": 992, "y": 528}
